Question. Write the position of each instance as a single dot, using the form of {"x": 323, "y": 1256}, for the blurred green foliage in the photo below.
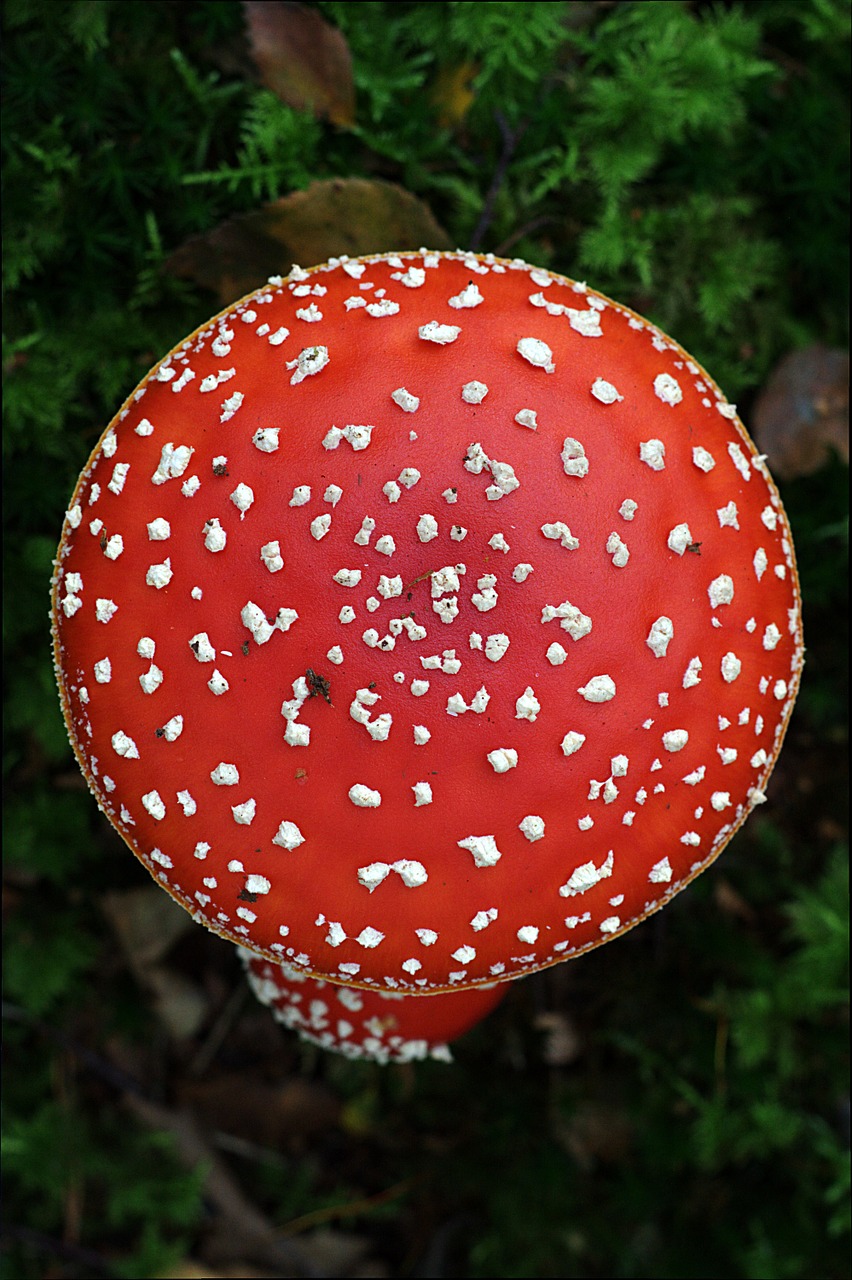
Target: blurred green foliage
{"x": 691, "y": 158}
{"x": 133, "y": 1185}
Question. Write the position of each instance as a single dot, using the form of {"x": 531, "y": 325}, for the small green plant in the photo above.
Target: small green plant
{"x": 689, "y": 159}
{"x": 128, "y": 1183}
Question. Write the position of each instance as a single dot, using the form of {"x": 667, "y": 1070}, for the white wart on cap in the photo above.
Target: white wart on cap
{"x": 380, "y": 682}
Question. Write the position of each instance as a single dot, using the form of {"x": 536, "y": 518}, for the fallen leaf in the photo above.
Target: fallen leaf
{"x": 302, "y": 59}
{"x": 148, "y": 924}
{"x": 334, "y": 1253}
{"x": 451, "y": 94}
{"x": 187, "y": 1269}
{"x": 731, "y": 902}
{"x": 371, "y": 1269}
{"x": 802, "y": 413}
{"x": 331, "y": 217}
{"x": 180, "y": 1003}
{"x": 191, "y": 1269}
{"x": 560, "y": 1044}
{"x": 269, "y": 1115}
{"x": 596, "y": 1133}
{"x": 239, "y": 1232}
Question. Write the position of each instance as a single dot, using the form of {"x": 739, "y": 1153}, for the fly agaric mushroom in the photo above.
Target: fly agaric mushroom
{"x": 426, "y": 619}
{"x": 384, "y": 1026}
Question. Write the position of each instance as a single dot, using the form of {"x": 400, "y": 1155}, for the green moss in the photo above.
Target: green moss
{"x": 691, "y": 159}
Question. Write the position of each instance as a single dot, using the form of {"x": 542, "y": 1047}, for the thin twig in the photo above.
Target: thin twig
{"x": 85, "y": 1259}
{"x": 219, "y": 1031}
{"x": 101, "y": 1067}
{"x": 511, "y": 138}
{"x": 353, "y": 1208}
{"x": 247, "y": 1231}
{"x": 242, "y": 1221}
{"x": 235, "y": 1146}
{"x": 518, "y": 234}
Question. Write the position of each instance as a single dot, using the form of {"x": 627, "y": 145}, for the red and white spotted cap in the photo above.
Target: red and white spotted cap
{"x": 383, "y": 1026}
{"x": 425, "y": 619}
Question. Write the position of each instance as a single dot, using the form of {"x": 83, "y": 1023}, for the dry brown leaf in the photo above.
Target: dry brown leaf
{"x": 334, "y": 1253}
{"x": 561, "y": 1043}
{"x": 452, "y": 94}
{"x": 190, "y": 1269}
{"x": 731, "y": 902}
{"x": 803, "y": 411}
{"x": 596, "y": 1134}
{"x": 370, "y": 1269}
{"x": 302, "y": 59}
{"x": 266, "y": 1114}
{"x": 239, "y": 1232}
{"x": 148, "y": 924}
{"x": 180, "y": 1003}
{"x": 329, "y": 218}
{"x": 187, "y": 1269}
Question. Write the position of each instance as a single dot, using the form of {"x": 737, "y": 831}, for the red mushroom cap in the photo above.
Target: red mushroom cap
{"x": 384, "y": 1026}
{"x": 426, "y": 619}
